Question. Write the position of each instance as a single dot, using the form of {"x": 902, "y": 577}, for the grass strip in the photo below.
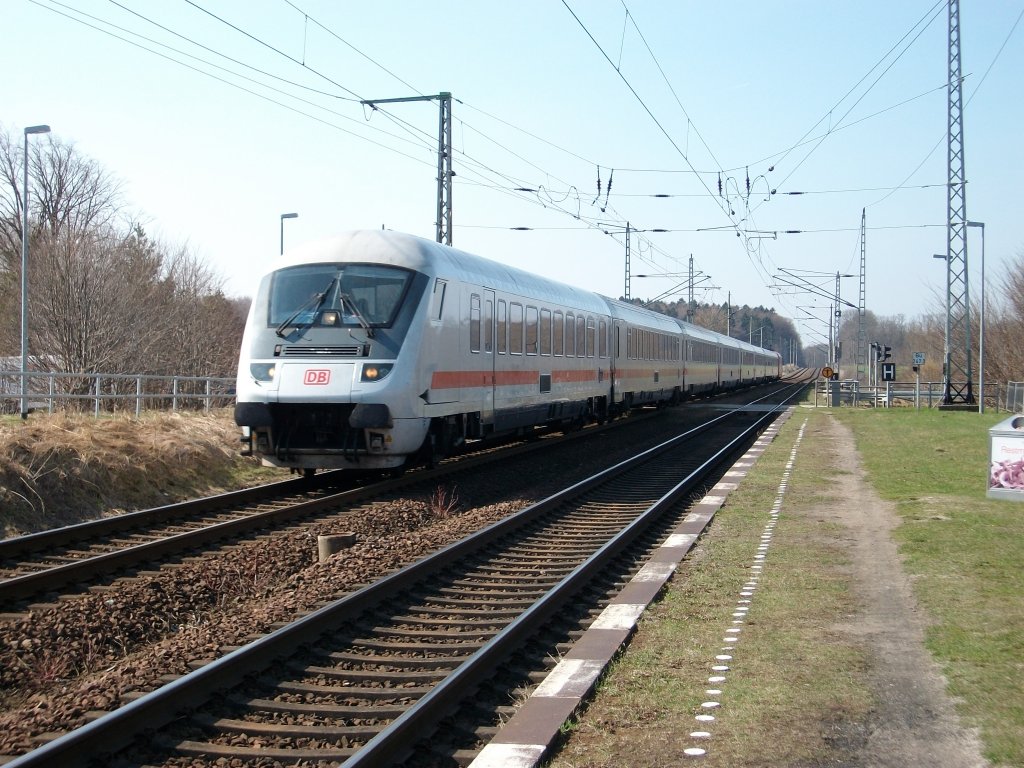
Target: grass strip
{"x": 794, "y": 693}
{"x": 965, "y": 553}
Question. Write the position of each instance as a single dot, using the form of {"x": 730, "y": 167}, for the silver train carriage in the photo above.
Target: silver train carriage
{"x": 375, "y": 349}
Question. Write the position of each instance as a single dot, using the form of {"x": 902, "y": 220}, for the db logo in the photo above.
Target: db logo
{"x": 316, "y": 376}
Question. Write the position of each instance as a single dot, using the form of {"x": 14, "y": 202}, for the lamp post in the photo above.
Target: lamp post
{"x": 24, "y": 273}
{"x": 981, "y": 335}
{"x": 283, "y": 217}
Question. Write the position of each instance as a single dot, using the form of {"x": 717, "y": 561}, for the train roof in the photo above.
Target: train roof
{"x": 416, "y": 253}
{"x": 631, "y": 313}
{"x": 436, "y": 260}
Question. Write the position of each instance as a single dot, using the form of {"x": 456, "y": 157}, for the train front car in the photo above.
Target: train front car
{"x": 321, "y": 357}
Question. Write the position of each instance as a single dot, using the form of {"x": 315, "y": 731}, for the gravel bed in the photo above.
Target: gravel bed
{"x": 96, "y": 652}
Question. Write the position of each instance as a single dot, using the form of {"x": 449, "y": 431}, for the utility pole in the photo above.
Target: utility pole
{"x": 691, "y": 308}
{"x": 831, "y": 338}
{"x": 862, "y": 330}
{"x": 957, "y": 384}
{"x": 627, "y": 261}
{"x": 444, "y": 158}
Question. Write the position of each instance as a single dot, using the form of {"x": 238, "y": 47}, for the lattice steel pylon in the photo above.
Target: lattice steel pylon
{"x": 444, "y": 158}
{"x": 444, "y": 170}
{"x": 862, "y": 330}
{"x": 957, "y": 384}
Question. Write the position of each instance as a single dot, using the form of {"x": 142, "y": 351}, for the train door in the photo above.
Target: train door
{"x": 490, "y": 355}
{"x": 616, "y": 331}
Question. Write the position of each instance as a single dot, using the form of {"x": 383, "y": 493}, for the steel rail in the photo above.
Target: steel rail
{"x": 28, "y": 585}
{"x": 116, "y": 730}
{"x": 420, "y": 720}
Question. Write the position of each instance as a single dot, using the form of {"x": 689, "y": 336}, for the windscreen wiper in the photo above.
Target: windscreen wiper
{"x": 346, "y": 299}
{"x": 312, "y": 306}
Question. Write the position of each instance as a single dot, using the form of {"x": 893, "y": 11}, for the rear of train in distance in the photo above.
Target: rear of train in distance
{"x": 377, "y": 350}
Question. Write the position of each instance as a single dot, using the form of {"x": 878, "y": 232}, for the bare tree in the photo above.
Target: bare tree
{"x": 70, "y": 193}
{"x": 71, "y": 197}
{"x": 105, "y": 302}
{"x": 103, "y": 297}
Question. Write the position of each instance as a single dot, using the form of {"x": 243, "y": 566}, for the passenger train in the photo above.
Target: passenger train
{"x": 376, "y": 350}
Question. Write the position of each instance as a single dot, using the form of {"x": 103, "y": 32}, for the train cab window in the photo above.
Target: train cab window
{"x": 489, "y": 326}
{"x": 502, "y": 327}
{"x": 515, "y": 328}
{"x": 570, "y": 334}
{"x": 474, "y": 322}
{"x": 602, "y": 339}
{"x": 352, "y": 295}
{"x": 545, "y": 332}
{"x": 558, "y": 333}
{"x": 532, "y": 345}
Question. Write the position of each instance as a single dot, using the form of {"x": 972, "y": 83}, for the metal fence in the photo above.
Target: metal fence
{"x": 925, "y": 394}
{"x": 104, "y": 393}
{"x": 1014, "y": 402}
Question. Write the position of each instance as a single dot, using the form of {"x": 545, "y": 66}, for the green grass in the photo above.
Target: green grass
{"x": 966, "y": 553}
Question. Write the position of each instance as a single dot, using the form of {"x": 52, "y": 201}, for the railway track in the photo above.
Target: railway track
{"x": 73, "y": 558}
{"x": 370, "y": 678}
{"x": 70, "y": 560}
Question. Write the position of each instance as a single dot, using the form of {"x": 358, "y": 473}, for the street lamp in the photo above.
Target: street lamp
{"x": 24, "y": 274}
{"x": 981, "y": 340}
{"x": 283, "y": 217}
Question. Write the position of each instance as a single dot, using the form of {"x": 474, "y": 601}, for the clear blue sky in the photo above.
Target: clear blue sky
{"x": 844, "y": 102}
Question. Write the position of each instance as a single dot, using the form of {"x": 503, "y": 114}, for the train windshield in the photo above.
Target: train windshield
{"x": 365, "y": 295}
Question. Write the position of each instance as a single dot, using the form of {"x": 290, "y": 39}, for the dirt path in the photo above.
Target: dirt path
{"x": 916, "y": 725}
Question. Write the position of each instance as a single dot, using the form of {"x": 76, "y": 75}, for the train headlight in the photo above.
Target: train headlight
{"x": 263, "y": 371}
{"x": 376, "y": 372}
{"x": 330, "y": 318}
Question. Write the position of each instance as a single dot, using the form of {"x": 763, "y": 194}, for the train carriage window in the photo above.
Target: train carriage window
{"x": 532, "y": 331}
{"x": 489, "y": 326}
{"x": 545, "y": 332}
{"x": 502, "y": 327}
{"x": 581, "y": 336}
{"x": 630, "y": 343}
{"x": 602, "y": 339}
{"x": 570, "y": 334}
{"x": 591, "y": 334}
{"x": 474, "y": 322}
{"x": 558, "y": 329}
{"x": 515, "y": 328}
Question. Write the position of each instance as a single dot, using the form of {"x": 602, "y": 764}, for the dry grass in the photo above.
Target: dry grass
{"x": 62, "y": 469}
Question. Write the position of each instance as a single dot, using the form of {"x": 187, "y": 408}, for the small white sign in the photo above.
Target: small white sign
{"x": 919, "y": 358}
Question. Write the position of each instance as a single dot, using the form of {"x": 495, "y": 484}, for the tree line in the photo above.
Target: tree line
{"x": 103, "y": 296}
